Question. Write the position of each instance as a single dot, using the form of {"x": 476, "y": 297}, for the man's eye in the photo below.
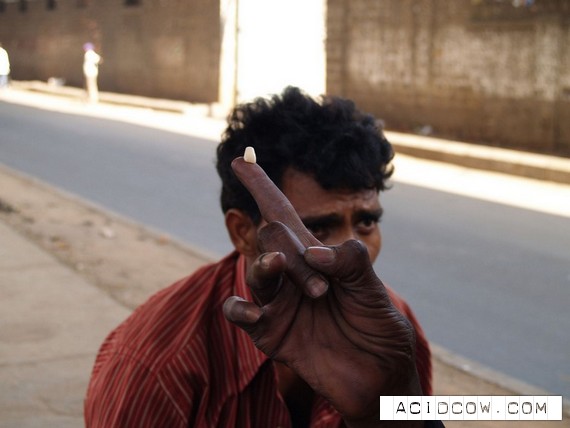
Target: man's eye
{"x": 318, "y": 231}
{"x": 368, "y": 224}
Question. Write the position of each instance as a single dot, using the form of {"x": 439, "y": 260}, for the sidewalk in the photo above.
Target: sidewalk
{"x": 70, "y": 272}
{"x": 52, "y": 323}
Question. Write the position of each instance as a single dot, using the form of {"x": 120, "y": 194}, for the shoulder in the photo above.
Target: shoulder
{"x": 163, "y": 340}
{"x": 172, "y": 318}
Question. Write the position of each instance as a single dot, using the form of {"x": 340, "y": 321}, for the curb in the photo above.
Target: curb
{"x": 159, "y": 104}
{"x": 530, "y": 165}
{"x": 194, "y": 251}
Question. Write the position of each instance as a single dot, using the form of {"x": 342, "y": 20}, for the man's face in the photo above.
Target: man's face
{"x": 335, "y": 216}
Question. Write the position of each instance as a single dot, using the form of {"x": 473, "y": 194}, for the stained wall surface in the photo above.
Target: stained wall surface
{"x": 495, "y": 72}
{"x": 162, "y": 48}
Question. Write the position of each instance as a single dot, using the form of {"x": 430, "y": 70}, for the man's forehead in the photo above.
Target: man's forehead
{"x": 294, "y": 179}
{"x": 310, "y": 199}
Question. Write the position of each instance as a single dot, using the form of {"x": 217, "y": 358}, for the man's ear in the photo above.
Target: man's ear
{"x": 242, "y": 231}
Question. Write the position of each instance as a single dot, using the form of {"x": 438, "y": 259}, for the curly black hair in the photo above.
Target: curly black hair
{"x": 329, "y": 139}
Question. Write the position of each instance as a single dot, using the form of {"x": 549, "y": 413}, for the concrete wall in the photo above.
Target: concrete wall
{"x": 479, "y": 70}
{"x": 163, "y": 48}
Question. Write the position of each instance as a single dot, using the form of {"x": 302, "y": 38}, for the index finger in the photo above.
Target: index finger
{"x": 272, "y": 203}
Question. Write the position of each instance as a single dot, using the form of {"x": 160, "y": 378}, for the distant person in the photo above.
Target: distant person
{"x": 91, "y": 62}
{"x": 4, "y": 67}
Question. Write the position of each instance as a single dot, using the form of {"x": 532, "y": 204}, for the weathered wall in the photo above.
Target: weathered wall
{"x": 480, "y": 70}
{"x": 163, "y": 48}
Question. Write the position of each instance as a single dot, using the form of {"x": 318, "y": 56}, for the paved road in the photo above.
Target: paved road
{"x": 165, "y": 180}
{"x": 488, "y": 281}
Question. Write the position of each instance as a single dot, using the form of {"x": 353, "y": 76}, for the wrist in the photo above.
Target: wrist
{"x": 412, "y": 388}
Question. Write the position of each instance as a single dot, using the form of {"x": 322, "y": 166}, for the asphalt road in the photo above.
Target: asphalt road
{"x": 488, "y": 281}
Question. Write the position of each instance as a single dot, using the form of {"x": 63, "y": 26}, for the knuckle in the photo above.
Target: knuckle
{"x": 357, "y": 248}
{"x": 228, "y": 308}
{"x": 356, "y": 253}
{"x": 233, "y": 308}
{"x": 271, "y": 231}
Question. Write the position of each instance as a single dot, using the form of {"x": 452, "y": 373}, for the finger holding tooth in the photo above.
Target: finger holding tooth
{"x": 272, "y": 203}
{"x": 285, "y": 231}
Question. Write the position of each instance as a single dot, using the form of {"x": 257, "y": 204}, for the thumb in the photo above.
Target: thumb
{"x": 348, "y": 262}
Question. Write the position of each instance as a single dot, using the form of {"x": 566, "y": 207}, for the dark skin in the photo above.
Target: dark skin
{"x": 323, "y": 312}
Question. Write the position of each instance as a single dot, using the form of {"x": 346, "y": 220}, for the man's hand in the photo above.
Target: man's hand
{"x": 323, "y": 311}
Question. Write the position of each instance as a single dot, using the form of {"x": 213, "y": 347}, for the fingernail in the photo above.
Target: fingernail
{"x": 323, "y": 255}
{"x": 266, "y": 259}
{"x": 317, "y": 286}
{"x": 253, "y": 314}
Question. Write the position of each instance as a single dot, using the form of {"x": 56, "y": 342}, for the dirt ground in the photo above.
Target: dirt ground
{"x": 126, "y": 260}
{"x": 131, "y": 262}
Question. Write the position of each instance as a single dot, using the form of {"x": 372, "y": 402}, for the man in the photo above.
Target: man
{"x": 91, "y": 60}
{"x": 299, "y": 286}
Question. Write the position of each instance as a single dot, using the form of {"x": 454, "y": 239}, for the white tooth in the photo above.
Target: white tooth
{"x": 249, "y": 155}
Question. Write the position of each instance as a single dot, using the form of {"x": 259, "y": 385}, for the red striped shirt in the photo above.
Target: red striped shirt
{"x": 177, "y": 362}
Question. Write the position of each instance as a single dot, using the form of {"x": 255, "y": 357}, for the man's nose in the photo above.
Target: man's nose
{"x": 345, "y": 234}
